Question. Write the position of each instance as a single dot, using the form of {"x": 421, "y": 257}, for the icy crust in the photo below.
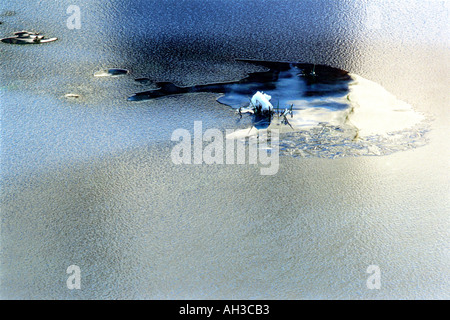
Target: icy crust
{"x": 336, "y": 142}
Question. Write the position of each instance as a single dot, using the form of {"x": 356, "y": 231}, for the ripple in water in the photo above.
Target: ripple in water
{"x": 334, "y": 113}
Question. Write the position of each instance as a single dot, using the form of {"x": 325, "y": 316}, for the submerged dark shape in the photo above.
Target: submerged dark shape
{"x": 284, "y": 81}
{"x": 262, "y": 120}
{"x": 8, "y": 13}
{"x": 111, "y": 72}
{"x": 27, "y": 37}
{"x": 143, "y": 80}
{"x": 116, "y": 72}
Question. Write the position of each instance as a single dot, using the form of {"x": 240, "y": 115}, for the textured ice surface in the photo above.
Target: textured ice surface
{"x": 90, "y": 182}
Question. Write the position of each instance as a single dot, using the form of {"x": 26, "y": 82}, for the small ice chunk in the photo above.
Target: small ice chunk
{"x": 72, "y": 95}
{"x": 260, "y": 99}
{"x": 113, "y": 72}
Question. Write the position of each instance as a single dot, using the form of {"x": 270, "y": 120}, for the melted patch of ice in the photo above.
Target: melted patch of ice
{"x": 319, "y": 110}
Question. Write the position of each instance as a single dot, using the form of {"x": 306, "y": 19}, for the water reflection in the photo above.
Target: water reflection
{"x": 290, "y": 83}
{"x": 294, "y": 86}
